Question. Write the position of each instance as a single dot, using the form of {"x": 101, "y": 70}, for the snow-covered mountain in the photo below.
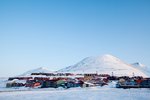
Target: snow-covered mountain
{"x": 142, "y": 68}
{"x": 106, "y": 64}
{"x": 38, "y": 70}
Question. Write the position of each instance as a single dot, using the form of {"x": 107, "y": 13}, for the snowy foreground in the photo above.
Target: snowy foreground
{"x": 93, "y": 93}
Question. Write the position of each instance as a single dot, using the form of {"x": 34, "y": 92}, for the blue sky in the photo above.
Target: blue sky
{"x": 59, "y": 33}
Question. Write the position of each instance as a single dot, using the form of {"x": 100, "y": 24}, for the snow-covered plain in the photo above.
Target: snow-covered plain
{"x": 93, "y": 93}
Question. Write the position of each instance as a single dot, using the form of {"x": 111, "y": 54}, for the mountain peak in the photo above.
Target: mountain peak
{"x": 105, "y": 64}
{"x": 108, "y": 57}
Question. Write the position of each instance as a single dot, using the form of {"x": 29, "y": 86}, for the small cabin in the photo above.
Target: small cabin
{"x": 32, "y": 83}
{"x": 49, "y": 84}
{"x": 145, "y": 83}
{"x": 15, "y": 83}
{"x": 19, "y": 78}
{"x": 46, "y": 74}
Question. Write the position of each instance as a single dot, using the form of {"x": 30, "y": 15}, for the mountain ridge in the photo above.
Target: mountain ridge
{"x": 37, "y": 70}
{"x": 105, "y": 64}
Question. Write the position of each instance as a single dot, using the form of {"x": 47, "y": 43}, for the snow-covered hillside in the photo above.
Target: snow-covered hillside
{"x": 142, "y": 68}
{"x": 137, "y": 64}
{"x": 106, "y": 64}
{"x": 38, "y": 70}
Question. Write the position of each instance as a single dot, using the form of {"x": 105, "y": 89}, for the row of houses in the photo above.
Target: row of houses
{"x": 66, "y": 80}
{"x": 134, "y": 82}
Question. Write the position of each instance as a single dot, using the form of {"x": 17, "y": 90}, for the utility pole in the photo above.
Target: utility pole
{"x": 133, "y": 74}
{"x": 112, "y": 74}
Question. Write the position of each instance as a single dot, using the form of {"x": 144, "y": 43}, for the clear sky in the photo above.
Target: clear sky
{"x": 59, "y": 33}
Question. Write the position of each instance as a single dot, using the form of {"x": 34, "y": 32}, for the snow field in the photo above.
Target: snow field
{"x": 93, "y": 93}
